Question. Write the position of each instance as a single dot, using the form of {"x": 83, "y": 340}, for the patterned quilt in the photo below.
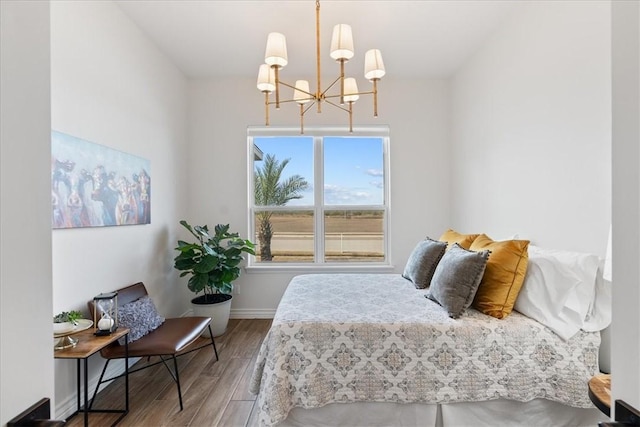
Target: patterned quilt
{"x": 374, "y": 337}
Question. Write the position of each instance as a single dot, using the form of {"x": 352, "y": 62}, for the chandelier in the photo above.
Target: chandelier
{"x": 341, "y": 51}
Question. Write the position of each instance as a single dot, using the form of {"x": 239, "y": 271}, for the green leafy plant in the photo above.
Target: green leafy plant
{"x": 67, "y": 316}
{"x": 213, "y": 260}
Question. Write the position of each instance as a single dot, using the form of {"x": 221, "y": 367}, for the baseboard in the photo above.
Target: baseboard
{"x": 252, "y": 313}
{"x": 67, "y": 407}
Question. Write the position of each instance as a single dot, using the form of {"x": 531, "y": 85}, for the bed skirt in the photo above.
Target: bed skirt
{"x": 495, "y": 413}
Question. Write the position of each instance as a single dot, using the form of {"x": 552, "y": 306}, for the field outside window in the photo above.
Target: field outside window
{"x": 354, "y": 236}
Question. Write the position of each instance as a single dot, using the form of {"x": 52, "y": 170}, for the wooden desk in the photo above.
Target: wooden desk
{"x": 88, "y": 345}
{"x": 600, "y": 392}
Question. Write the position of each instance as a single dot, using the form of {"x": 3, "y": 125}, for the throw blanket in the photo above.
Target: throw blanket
{"x": 374, "y": 337}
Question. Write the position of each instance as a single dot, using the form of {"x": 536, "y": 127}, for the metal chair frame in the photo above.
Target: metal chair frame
{"x": 174, "y": 373}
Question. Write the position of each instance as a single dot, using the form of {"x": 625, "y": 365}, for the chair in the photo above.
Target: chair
{"x": 172, "y": 339}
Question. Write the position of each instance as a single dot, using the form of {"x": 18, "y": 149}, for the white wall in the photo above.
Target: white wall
{"x": 110, "y": 85}
{"x": 417, "y": 113}
{"x": 26, "y": 362}
{"x": 625, "y": 337}
{"x": 531, "y": 134}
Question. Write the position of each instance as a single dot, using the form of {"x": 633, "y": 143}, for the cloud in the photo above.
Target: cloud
{"x": 336, "y": 195}
{"x": 375, "y": 172}
{"x": 341, "y": 195}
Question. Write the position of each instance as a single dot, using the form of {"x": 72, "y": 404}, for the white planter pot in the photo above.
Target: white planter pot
{"x": 219, "y": 313}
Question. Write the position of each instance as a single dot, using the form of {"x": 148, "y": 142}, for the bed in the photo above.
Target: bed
{"x": 370, "y": 349}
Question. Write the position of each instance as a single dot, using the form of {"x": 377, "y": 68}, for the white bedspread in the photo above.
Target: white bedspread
{"x": 374, "y": 337}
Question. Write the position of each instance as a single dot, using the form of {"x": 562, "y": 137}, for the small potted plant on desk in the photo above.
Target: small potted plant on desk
{"x": 63, "y": 324}
{"x": 213, "y": 262}
{"x": 65, "y": 321}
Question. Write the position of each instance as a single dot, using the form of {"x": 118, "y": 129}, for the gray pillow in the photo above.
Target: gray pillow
{"x": 423, "y": 261}
{"x": 140, "y": 316}
{"x": 457, "y": 278}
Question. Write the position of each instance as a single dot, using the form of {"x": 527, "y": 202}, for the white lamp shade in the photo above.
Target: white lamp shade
{"x": 342, "y": 42}
{"x": 301, "y": 93}
{"x": 350, "y": 90}
{"x": 373, "y": 65}
{"x": 276, "y": 52}
{"x": 266, "y": 79}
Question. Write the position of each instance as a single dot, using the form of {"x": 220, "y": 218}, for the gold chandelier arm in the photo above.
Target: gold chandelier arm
{"x": 356, "y": 93}
{"x": 311, "y": 95}
{"x": 303, "y": 111}
{"x": 350, "y": 116}
{"x": 295, "y": 100}
{"x": 307, "y": 109}
{"x": 319, "y": 86}
{"x": 288, "y": 85}
{"x": 342, "y": 82}
{"x": 324, "y": 94}
{"x": 282, "y": 101}
{"x": 266, "y": 108}
{"x": 375, "y": 97}
{"x": 277, "y": 87}
{"x": 337, "y": 105}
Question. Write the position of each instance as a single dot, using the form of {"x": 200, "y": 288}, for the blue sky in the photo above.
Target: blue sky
{"x": 353, "y": 167}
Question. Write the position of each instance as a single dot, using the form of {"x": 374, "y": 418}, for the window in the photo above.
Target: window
{"x": 319, "y": 198}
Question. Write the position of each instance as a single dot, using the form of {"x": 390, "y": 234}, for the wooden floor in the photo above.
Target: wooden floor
{"x": 214, "y": 393}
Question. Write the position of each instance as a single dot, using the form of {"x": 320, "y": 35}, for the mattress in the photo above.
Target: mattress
{"x": 342, "y": 338}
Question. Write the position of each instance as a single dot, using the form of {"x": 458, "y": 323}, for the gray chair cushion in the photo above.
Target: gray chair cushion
{"x": 457, "y": 278}
{"x": 423, "y": 261}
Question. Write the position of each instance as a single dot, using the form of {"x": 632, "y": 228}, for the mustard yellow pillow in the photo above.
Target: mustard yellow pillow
{"x": 451, "y": 236}
{"x": 503, "y": 276}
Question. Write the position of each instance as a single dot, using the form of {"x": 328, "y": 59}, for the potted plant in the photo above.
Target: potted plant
{"x": 65, "y": 321}
{"x": 213, "y": 262}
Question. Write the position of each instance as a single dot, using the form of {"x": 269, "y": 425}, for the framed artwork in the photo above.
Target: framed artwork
{"x": 96, "y": 186}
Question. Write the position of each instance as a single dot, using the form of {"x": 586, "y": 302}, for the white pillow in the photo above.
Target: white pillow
{"x": 586, "y": 267}
{"x": 558, "y": 289}
{"x": 545, "y": 291}
{"x": 600, "y": 315}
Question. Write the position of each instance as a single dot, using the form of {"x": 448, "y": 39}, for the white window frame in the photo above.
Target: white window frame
{"x": 318, "y": 208}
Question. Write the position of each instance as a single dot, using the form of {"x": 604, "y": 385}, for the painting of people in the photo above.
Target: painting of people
{"x": 93, "y": 185}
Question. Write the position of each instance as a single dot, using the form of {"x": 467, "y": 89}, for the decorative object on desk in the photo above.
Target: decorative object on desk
{"x": 65, "y": 321}
{"x": 62, "y": 336}
{"x": 213, "y": 263}
{"x": 95, "y": 186}
{"x": 105, "y": 312}
{"x": 64, "y": 324}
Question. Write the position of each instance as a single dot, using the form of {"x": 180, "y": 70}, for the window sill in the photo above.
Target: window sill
{"x": 317, "y": 268}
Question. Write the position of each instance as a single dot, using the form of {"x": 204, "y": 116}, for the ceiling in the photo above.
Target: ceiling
{"x": 224, "y": 38}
